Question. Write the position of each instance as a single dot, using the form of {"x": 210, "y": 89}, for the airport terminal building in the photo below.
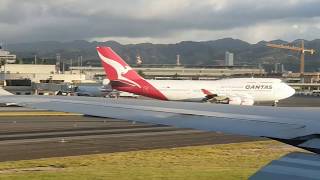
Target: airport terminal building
{"x": 180, "y": 72}
{"x": 27, "y": 79}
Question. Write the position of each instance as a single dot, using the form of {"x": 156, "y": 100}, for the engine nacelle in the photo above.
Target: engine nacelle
{"x": 235, "y": 100}
{"x": 247, "y": 102}
{"x": 241, "y": 101}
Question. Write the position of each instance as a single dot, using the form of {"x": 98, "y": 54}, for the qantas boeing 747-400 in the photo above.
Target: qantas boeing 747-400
{"x": 239, "y": 91}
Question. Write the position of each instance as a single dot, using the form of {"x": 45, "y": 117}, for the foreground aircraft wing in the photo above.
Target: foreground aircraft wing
{"x": 296, "y": 126}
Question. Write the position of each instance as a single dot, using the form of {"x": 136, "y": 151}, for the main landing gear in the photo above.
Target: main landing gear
{"x": 275, "y": 103}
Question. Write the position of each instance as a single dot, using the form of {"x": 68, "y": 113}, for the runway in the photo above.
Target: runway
{"x": 295, "y": 101}
{"x": 32, "y": 137}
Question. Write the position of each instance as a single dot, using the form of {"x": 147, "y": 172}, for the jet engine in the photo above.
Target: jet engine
{"x": 231, "y": 100}
{"x": 235, "y": 101}
{"x": 247, "y": 102}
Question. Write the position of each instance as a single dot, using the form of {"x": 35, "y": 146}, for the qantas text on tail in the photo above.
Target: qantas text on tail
{"x": 241, "y": 91}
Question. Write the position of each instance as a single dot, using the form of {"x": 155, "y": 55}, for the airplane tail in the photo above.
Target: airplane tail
{"x": 116, "y": 68}
{"x": 114, "y": 65}
{"x": 123, "y": 78}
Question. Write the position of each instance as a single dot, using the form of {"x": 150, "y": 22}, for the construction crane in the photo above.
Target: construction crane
{"x": 301, "y": 49}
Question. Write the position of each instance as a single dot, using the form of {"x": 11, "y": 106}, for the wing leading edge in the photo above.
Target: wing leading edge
{"x": 295, "y": 126}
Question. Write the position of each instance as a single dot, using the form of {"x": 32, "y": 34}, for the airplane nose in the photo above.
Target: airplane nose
{"x": 284, "y": 91}
{"x": 291, "y": 91}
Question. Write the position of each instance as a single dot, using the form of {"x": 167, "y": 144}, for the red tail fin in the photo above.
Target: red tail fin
{"x": 116, "y": 68}
{"x": 123, "y": 77}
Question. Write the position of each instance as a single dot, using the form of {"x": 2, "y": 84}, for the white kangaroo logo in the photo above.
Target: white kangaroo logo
{"x": 121, "y": 70}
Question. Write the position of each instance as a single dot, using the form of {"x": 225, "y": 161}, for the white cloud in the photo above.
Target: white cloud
{"x": 162, "y": 21}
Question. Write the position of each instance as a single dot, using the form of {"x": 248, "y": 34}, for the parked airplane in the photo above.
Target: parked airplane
{"x": 93, "y": 91}
{"x": 102, "y": 91}
{"x": 240, "y": 91}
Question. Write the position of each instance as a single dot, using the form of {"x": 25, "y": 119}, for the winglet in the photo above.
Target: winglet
{"x": 207, "y": 92}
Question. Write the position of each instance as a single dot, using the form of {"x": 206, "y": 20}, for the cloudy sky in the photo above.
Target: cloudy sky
{"x": 158, "y": 21}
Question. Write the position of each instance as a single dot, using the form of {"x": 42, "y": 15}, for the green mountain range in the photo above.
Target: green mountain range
{"x": 194, "y": 53}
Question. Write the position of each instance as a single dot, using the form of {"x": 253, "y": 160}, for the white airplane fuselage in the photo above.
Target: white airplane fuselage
{"x": 257, "y": 89}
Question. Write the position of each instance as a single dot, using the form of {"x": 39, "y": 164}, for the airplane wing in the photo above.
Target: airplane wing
{"x": 299, "y": 127}
{"x": 296, "y": 126}
{"x": 234, "y": 99}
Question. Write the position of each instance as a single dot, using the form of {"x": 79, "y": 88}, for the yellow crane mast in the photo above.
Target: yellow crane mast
{"x": 301, "y": 49}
